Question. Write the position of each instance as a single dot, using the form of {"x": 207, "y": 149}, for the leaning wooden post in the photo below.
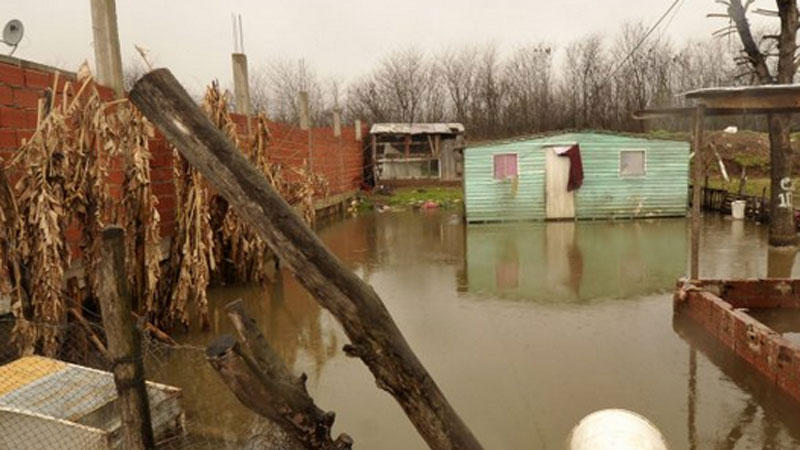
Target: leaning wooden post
{"x": 374, "y": 336}
{"x": 124, "y": 342}
{"x": 697, "y": 144}
{"x": 261, "y": 381}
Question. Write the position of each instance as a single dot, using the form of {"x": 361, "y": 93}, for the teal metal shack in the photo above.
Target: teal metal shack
{"x": 624, "y": 177}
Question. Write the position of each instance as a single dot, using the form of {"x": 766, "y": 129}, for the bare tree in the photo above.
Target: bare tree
{"x": 274, "y": 89}
{"x": 782, "y": 231}
{"x": 458, "y": 72}
{"x": 528, "y": 75}
{"x": 587, "y": 72}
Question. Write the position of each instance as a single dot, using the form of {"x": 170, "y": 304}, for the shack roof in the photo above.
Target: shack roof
{"x": 735, "y": 100}
{"x": 585, "y": 138}
{"x": 417, "y": 128}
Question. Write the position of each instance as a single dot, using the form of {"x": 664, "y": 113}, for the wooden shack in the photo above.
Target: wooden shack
{"x": 412, "y": 151}
{"x": 536, "y": 179}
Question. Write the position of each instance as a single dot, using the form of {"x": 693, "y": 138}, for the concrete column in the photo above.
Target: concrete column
{"x": 106, "y": 45}
{"x": 302, "y": 109}
{"x": 337, "y": 122}
{"x": 358, "y": 130}
{"x": 241, "y": 85}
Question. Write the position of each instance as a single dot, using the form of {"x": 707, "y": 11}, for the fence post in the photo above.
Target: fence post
{"x": 124, "y": 342}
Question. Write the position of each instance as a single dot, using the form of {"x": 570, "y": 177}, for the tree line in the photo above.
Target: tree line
{"x": 593, "y": 82}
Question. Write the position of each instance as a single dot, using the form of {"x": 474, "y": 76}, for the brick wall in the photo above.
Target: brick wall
{"x": 339, "y": 160}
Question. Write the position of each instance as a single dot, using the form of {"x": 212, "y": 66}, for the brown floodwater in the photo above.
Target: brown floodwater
{"x": 526, "y": 328}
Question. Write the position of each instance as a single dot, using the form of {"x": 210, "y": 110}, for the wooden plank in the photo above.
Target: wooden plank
{"x": 697, "y": 144}
{"x": 124, "y": 342}
{"x": 559, "y": 203}
{"x": 374, "y": 336}
{"x": 688, "y": 112}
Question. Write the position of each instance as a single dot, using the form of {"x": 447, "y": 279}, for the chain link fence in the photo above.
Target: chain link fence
{"x": 69, "y": 400}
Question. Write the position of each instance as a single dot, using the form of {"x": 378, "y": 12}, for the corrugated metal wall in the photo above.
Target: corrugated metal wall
{"x": 604, "y": 194}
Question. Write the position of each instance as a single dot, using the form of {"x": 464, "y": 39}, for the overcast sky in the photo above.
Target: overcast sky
{"x": 342, "y": 39}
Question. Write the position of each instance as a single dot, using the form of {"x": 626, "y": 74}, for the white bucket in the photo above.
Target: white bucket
{"x": 737, "y": 209}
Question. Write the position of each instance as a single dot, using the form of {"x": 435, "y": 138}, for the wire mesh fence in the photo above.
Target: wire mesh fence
{"x": 69, "y": 400}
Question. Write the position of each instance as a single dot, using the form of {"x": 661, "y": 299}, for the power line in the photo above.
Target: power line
{"x": 641, "y": 41}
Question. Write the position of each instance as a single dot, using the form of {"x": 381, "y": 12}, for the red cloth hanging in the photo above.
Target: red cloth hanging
{"x": 575, "y": 166}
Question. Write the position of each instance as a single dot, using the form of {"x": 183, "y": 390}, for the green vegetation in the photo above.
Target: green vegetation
{"x": 414, "y": 197}
{"x": 754, "y": 186}
{"x": 752, "y": 160}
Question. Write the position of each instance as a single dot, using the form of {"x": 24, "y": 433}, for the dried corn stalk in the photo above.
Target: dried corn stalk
{"x": 137, "y": 211}
{"x": 10, "y": 277}
{"x": 191, "y": 255}
{"x": 64, "y": 182}
{"x": 237, "y": 245}
{"x": 51, "y": 181}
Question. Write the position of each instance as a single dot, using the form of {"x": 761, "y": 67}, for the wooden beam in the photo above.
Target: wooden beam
{"x": 124, "y": 342}
{"x": 697, "y": 144}
{"x": 663, "y": 113}
{"x": 374, "y": 336}
{"x": 262, "y": 382}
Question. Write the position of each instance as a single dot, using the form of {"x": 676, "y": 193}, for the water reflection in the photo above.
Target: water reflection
{"x": 574, "y": 261}
{"x": 740, "y": 419}
{"x": 292, "y": 323}
{"x": 548, "y": 358}
{"x": 780, "y": 261}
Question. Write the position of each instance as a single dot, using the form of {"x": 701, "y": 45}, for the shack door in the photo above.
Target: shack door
{"x": 559, "y": 203}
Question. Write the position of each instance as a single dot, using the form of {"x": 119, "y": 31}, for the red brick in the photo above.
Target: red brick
{"x": 161, "y": 159}
{"x": 6, "y": 96}
{"x": 8, "y": 138}
{"x": 13, "y": 118}
{"x": 167, "y": 228}
{"x": 26, "y": 98}
{"x": 163, "y": 189}
{"x": 11, "y": 75}
{"x": 106, "y": 93}
{"x": 787, "y": 367}
{"x": 161, "y": 174}
{"x": 73, "y": 234}
{"x": 37, "y": 79}
{"x": 166, "y": 203}
{"x": 116, "y": 177}
{"x": 24, "y": 135}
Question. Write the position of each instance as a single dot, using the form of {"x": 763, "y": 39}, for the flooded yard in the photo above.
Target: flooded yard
{"x": 526, "y": 327}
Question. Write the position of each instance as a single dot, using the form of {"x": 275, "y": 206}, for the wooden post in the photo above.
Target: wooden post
{"x": 302, "y": 110}
{"x": 124, "y": 342}
{"x": 374, "y": 162}
{"x": 374, "y": 336}
{"x": 106, "y": 45}
{"x": 697, "y": 144}
{"x": 358, "y": 130}
{"x": 262, "y": 382}
{"x": 337, "y": 122}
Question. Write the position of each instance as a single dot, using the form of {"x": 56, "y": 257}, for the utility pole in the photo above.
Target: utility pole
{"x": 108, "y": 60}
{"x": 241, "y": 83}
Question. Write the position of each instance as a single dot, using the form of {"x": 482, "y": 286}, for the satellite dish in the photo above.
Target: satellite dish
{"x": 12, "y": 32}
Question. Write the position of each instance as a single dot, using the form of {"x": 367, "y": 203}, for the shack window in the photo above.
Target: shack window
{"x": 505, "y": 166}
{"x": 632, "y": 163}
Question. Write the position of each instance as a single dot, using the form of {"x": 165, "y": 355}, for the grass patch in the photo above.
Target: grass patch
{"x": 414, "y": 197}
{"x": 754, "y": 186}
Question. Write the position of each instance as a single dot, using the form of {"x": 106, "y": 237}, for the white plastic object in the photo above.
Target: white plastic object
{"x": 737, "y": 209}
{"x": 615, "y": 429}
